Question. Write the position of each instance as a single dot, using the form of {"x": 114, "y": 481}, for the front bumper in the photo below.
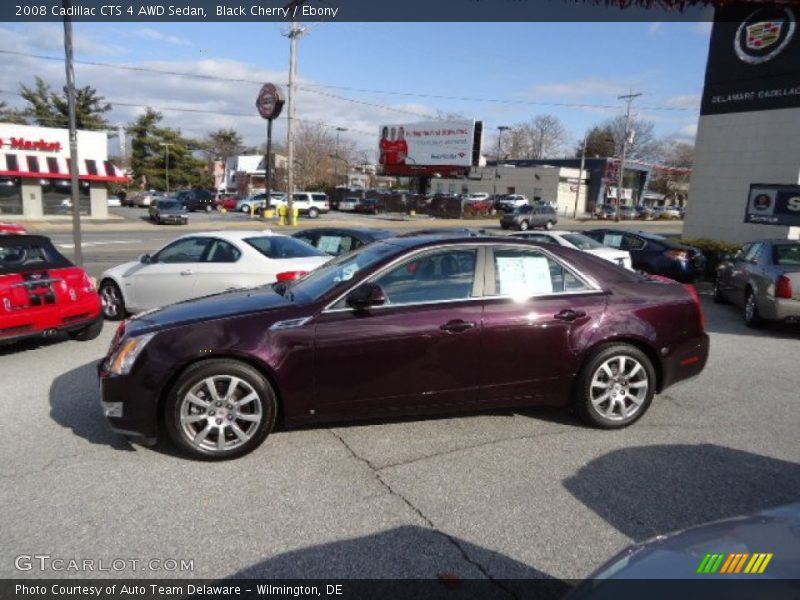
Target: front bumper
{"x": 129, "y": 405}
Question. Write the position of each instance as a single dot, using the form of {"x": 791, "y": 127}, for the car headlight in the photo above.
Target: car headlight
{"x": 122, "y": 360}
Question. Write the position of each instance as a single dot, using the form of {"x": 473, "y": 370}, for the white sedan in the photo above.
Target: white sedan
{"x": 578, "y": 241}
{"x": 205, "y": 263}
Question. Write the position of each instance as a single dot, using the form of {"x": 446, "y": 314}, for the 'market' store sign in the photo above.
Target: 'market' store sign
{"x": 753, "y": 60}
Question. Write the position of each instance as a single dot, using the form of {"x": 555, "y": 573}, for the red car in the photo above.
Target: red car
{"x": 11, "y": 229}
{"x": 42, "y": 293}
{"x": 226, "y": 201}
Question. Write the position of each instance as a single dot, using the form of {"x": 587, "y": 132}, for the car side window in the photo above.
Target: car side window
{"x": 434, "y": 277}
{"x": 542, "y": 239}
{"x": 221, "y": 251}
{"x": 522, "y": 273}
{"x": 185, "y": 250}
{"x": 631, "y": 242}
{"x": 335, "y": 244}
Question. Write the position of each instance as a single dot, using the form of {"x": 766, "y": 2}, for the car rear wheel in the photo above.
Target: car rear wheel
{"x": 615, "y": 387}
{"x": 752, "y": 318}
{"x": 313, "y": 213}
{"x": 524, "y": 226}
{"x": 89, "y": 332}
{"x": 113, "y": 302}
{"x": 220, "y": 409}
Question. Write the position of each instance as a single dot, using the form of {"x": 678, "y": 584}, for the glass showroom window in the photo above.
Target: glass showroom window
{"x": 57, "y": 196}
{"x": 10, "y": 196}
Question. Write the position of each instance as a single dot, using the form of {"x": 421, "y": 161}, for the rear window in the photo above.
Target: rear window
{"x": 787, "y": 255}
{"x": 17, "y": 256}
{"x": 279, "y": 246}
{"x": 581, "y": 242}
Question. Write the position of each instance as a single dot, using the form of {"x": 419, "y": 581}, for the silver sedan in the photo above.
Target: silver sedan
{"x": 764, "y": 279}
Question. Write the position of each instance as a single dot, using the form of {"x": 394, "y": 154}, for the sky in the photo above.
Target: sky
{"x": 360, "y": 75}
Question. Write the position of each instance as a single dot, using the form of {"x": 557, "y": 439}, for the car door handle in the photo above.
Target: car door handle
{"x": 457, "y": 326}
{"x": 569, "y": 315}
{"x": 187, "y": 272}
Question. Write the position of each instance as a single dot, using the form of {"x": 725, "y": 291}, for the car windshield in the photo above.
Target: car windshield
{"x": 281, "y": 246}
{"x": 581, "y": 242}
{"x": 169, "y": 204}
{"x": 787, "y": 255}
{"x": 340, "y": 270}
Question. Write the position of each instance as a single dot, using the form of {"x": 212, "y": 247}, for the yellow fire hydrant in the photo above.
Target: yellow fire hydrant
{"x": 283, "y": 215}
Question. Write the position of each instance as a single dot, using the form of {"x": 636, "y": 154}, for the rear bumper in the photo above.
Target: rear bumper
{"x": 47, "y": 321}
{"x": 685, "y": 361}
{"x": 780, "y": 309}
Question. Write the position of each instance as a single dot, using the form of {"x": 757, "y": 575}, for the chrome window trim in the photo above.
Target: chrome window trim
{"x": 476, "y": 284}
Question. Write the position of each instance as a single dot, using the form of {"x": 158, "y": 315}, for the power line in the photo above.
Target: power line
{"x": 309, "y": 88}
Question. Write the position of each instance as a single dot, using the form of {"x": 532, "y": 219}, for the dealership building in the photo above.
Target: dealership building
{"x": 746, "y": 172}
{"x": 36, "y": 171}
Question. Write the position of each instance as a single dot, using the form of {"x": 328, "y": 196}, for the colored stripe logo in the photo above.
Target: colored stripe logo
{"x": 730, "y": 564}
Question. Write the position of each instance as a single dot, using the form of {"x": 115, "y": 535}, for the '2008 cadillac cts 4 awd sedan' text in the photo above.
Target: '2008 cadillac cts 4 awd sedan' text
{"x": 412, "y": 325}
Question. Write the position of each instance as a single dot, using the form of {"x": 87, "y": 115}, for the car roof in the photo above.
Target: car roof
{"x": 550, "y": 232}
{"x": 234, "y": 235}
{"x": 367, "y": 230}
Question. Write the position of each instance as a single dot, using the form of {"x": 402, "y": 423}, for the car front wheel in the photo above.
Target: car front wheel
{"x": 719, "y": 298}
{"x": 524, "y": 226}
{"x": 615, "y": 387}
{"x": 220, "y": 409}
{"x": 113, "y": 302}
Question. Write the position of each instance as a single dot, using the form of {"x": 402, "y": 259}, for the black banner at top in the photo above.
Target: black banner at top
{"x": 754, "y": 60}
{"x": 347, "y": 10}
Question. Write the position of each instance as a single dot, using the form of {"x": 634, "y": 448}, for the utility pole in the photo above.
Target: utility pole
{"x": 629, "y": 98}
{"x": 166, "y": 146}
{"x": 294, "y": 33}
{"x": 338, "y": 131}
{"x": 500, "y": 130}
{"x": 73, "y": 136}
{"x": 580, "y": 178}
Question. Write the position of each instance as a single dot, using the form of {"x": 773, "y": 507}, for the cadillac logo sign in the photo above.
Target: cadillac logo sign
{"x": 270, "y": 101}
{"x": 764, "y": 34}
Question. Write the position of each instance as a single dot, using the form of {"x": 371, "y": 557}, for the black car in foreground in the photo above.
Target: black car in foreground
{"x": 338, "y": 240}
{"x": 654, "y": 254}
{"x": 168, "y": 211}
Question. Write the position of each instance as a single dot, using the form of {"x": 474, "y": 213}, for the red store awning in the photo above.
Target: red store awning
{"x": 30, "y": 166}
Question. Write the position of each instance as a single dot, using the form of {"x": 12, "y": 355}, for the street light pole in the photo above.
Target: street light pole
{"x": 166, "y": 146}
{"x": 73, "y": 136}
{"x": 500, "y": 129}
{"x": 629, "y": 98}
{"x": 580, "y": 178}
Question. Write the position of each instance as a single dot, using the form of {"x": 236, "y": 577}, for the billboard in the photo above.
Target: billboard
{"x": 415, "y": 148}
{"x": 773, "y": 204}
{"x": 752, "y": 60}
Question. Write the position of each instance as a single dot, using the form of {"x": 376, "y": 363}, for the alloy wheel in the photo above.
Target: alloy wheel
{"x": 220, "y": 414}
{"x": 111, "y": 301}
{"x": 619, "y": 387}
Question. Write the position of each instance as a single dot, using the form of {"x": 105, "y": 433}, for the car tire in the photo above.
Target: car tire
{"x": 208, "y": 208}
{"x": 90, "y": 332}
{"x": 718, "y": 297}
{"x": 245, "y": 209}
{"x": 313, "y": 213}
{"x": 752, "y": 318}
{"x": 549, "y": 225}
{"x": 503, "y": 226}
{"x": 615, "y": 387}
{"x": 524, "y": 226}
{"x": 214, "y": 424}
{"x": 113, "y": 302}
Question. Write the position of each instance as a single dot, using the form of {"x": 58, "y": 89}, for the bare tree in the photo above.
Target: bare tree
{"x": 318, "y": 161}
{"x": 545, "y": 137}
{"x": 642, "y": 141}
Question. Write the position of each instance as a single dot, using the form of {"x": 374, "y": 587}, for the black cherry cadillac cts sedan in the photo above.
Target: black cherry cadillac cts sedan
{"x": 411, "y": 325}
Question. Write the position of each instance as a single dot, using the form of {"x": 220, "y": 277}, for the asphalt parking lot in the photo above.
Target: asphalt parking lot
{"x": 524, "y": 494}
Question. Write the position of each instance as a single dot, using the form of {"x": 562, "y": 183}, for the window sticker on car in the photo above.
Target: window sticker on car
{"x": 329, "y": 243}
{"x": 612, "y": 239}
{"x": 522, "y": 276}
{"x": 347, "y": 272}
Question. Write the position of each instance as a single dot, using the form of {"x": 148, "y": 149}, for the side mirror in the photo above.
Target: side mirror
{"x": 145, "y": 259}
{"x": 366, "y": 295}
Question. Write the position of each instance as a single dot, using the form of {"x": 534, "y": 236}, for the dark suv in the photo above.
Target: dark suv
{"x": 196, "y": 200}
{"x": 525, "y": 217}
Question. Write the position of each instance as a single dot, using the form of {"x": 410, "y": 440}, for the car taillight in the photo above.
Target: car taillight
{"x": 677, "y": 254}
{"x": 89, "y": 284}
{"x": 290, "y": 275}
{"x": 783, "y": 287}
{"x": 696, "y": 297}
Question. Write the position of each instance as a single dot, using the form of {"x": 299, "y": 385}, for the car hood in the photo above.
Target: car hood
{"x": 208, "y": 308}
